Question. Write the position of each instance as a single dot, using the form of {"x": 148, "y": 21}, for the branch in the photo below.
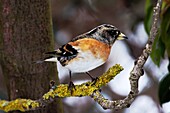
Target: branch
{"x": 85, "y": 89}
{"x": 91, "y": 89}
{"x": 136, "y": 72}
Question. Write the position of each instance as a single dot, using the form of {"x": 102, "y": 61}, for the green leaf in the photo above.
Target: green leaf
{"x": 162, "y": 41}
{"x": 164, "y": 89}
{"x": 165, "y": 29}
{"x": 158, "y": 50}
{"x": 148, "y": 16}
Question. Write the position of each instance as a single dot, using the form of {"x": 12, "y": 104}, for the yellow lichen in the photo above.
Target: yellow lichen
{"x": 85, "y": 89}
{"x": 18, "y": 104}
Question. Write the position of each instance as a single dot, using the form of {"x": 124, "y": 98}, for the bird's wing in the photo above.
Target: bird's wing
{"x": 63, "y": 54}
{"x": 63, "y": 51}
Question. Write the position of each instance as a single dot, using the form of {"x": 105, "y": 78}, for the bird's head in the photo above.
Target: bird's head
{"x": 107, "y": 33}
{"x": 111, "y": 33}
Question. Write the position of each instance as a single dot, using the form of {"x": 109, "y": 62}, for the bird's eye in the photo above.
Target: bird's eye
{"x": 117, "y": 32}
{"x": 111, "y": 32}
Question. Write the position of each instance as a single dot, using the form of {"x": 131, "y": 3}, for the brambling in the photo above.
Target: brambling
{"x": 87, "y": 51}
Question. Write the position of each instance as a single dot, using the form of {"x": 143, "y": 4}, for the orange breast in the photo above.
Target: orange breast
{"x": 99, "y": 49}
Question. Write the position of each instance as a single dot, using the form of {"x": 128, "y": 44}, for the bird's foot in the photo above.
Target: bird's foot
{"x": 94, "y": 80}
{"x": 71, "y": 86}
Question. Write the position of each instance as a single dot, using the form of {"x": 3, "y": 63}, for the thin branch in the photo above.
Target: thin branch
{"x": 62, "y": 90}
{"x": 91, "y": 89}
{"x": 137, "y": 70}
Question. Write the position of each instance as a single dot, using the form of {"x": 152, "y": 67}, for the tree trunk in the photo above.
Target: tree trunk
{"x": 25, "y": 34}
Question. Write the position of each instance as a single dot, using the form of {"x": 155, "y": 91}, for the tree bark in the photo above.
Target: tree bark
{"x": 25, "y": 34}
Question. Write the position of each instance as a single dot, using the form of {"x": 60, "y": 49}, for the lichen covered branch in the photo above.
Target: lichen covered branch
{"x": 137, "y": 70}
{"x": 18, "y": 104}
{"x": 62, "y": 90}
{"x": 91, "y": 88}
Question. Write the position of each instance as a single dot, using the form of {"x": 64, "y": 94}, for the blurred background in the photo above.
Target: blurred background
{"x": 74, "y": 17}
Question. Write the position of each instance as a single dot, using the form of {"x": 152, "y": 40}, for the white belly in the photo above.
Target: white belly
{"x": 85, "y": 62}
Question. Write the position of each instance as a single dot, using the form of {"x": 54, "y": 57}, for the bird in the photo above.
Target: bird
{"x": 86, "y": 51}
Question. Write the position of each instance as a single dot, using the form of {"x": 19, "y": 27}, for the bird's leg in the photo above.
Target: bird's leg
{"x": 71, "y": 84}
{"x": 94, "y": 79}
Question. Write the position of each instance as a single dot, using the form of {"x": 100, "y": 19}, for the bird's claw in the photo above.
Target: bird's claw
{"x": 94, "y": 80}
{"x": 71, "y": 86}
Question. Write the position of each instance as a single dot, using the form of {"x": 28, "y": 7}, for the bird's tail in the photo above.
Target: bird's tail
{"x": 47, "y": 59}
{"x": 52, "y": 58}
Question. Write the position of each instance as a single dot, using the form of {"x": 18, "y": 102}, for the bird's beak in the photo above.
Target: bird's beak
{"x": 122, "y": 36}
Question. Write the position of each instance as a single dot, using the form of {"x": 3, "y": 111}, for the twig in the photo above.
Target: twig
{"x": 62, "y": 90}
{"x": 136, "y": 72}
{"x": 87, "y": 89}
